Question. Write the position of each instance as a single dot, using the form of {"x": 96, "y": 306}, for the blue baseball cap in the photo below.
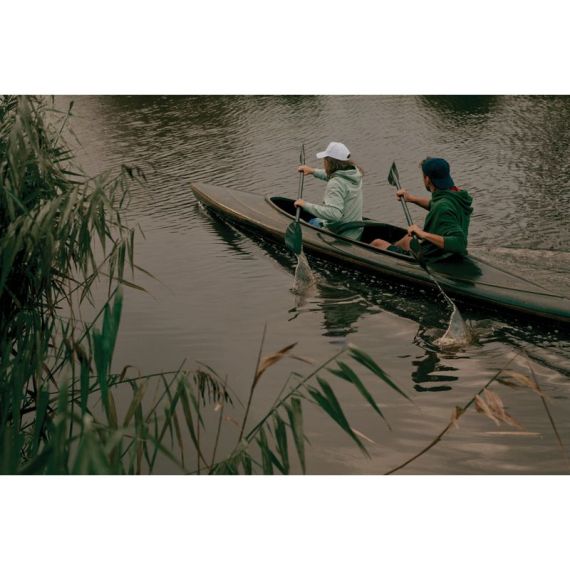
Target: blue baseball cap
{"x": 438, "y": 171}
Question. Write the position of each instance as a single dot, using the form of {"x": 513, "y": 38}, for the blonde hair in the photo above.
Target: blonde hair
{"x": 333, "y": 164}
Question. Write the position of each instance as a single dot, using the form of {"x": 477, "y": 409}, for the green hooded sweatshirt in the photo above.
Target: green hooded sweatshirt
{"x": 343, "y": 200}
{"x": 449, "y": 215}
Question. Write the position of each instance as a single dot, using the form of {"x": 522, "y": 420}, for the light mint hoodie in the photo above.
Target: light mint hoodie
{"x": 343, "y": 200}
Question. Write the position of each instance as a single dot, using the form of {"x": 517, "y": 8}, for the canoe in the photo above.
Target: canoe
{"x": 468, "y": 278}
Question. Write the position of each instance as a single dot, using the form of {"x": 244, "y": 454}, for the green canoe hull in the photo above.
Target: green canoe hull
{"x": 468, "y": 278}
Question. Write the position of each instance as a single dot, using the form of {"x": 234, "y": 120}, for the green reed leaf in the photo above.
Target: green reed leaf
{"x": 295, "y": 415}
{"x": 369, "y": 363}
{"x": 329, "y": 403}
{"x": 247, "y": 464}
{"x": 267, "y": 463}
{"x": 280, "y": 431}
{"x": 139, "y": 392}
{"x": 348, "y": 374}
{"x": 39, "y": 423}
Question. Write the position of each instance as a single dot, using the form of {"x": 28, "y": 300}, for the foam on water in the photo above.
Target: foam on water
{"x": 304, "y": 277}
{"x": 457, "y": 333}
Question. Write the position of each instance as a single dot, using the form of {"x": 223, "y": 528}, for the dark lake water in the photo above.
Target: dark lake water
{"x": 219, "y": 287}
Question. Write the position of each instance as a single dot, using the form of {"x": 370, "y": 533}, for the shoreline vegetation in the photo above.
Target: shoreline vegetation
{"x": 61, "y": 235}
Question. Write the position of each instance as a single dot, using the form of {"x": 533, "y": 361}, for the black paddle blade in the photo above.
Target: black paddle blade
{"x": 294, "y": 238}
{"x": 393, "y": 176}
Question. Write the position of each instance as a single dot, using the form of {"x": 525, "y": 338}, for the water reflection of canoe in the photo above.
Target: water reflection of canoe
{"x": 467, "y": 278}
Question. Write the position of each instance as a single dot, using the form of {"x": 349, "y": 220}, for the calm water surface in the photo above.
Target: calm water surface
{"x": 219, "y": 287}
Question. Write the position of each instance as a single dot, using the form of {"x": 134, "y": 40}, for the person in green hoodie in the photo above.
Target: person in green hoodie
{"x": 447, "y": 224}
{"x": 343, "y": 195}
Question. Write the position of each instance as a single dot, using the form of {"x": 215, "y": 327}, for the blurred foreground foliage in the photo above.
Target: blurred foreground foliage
{"x": 61, "y": 234}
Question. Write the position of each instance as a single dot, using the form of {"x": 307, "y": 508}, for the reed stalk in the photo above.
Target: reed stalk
{"x": 62, "y": 234}
{"x": 547, "y": 410}
{"x": 463, "y": 409}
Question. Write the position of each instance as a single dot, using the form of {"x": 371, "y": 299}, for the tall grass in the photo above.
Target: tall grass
{"x": 53, "y": 219}
{"x": 62, "y": 232}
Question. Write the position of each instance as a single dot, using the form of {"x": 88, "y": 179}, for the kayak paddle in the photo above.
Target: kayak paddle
{"x": 457, "y": 328}
{"x": 394, "y": 180}
{"x": 293, "y": 234}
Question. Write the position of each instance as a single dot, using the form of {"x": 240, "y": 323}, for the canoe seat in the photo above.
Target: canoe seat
{"x": 286, "y": 204}
{"x": 376, "y": 230}
{"x": 371, "y": 229}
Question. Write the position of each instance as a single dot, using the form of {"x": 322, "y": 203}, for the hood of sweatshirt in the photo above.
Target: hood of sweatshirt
{"x": 353, "y": 177}
{"x": 460, "y": 197}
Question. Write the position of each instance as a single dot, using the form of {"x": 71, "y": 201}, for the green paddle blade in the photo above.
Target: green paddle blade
{"x": 294, "y": 238}
{"x": 393, "y": 176}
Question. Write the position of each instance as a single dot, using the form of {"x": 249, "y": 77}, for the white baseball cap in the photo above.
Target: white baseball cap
{"x": 335, "y": 150}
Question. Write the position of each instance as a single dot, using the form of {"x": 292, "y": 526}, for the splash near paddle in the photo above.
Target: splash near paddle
{"x": 304, "y": 277}
{"x": 457, "y": 333}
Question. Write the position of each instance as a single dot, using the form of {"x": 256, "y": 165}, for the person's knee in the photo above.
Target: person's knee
{"x": 380, "y": 243}
{"x": 404, "y": 243}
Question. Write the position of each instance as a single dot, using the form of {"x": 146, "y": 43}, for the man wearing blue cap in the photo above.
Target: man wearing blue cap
{"x": 447, "y": 223}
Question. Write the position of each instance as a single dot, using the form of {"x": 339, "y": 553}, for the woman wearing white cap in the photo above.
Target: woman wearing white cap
{"x": 343, "y": 195}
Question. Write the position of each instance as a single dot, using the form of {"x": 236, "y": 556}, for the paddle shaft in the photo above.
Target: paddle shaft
{"x": 396, "y": 178}
{"x": 404, "y": 205}
{"x": 301, "y": 181}
{"x": 293, "y": 233}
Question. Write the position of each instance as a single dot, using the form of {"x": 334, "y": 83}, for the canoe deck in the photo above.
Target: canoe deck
{"x": 462, "y": 277}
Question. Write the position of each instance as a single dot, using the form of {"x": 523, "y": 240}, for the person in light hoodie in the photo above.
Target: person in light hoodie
{"x": 343, "y": 195}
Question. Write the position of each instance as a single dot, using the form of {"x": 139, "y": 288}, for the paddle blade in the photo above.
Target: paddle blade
{"x": 294, "y": 238}
{"x": 393, "y": 176}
